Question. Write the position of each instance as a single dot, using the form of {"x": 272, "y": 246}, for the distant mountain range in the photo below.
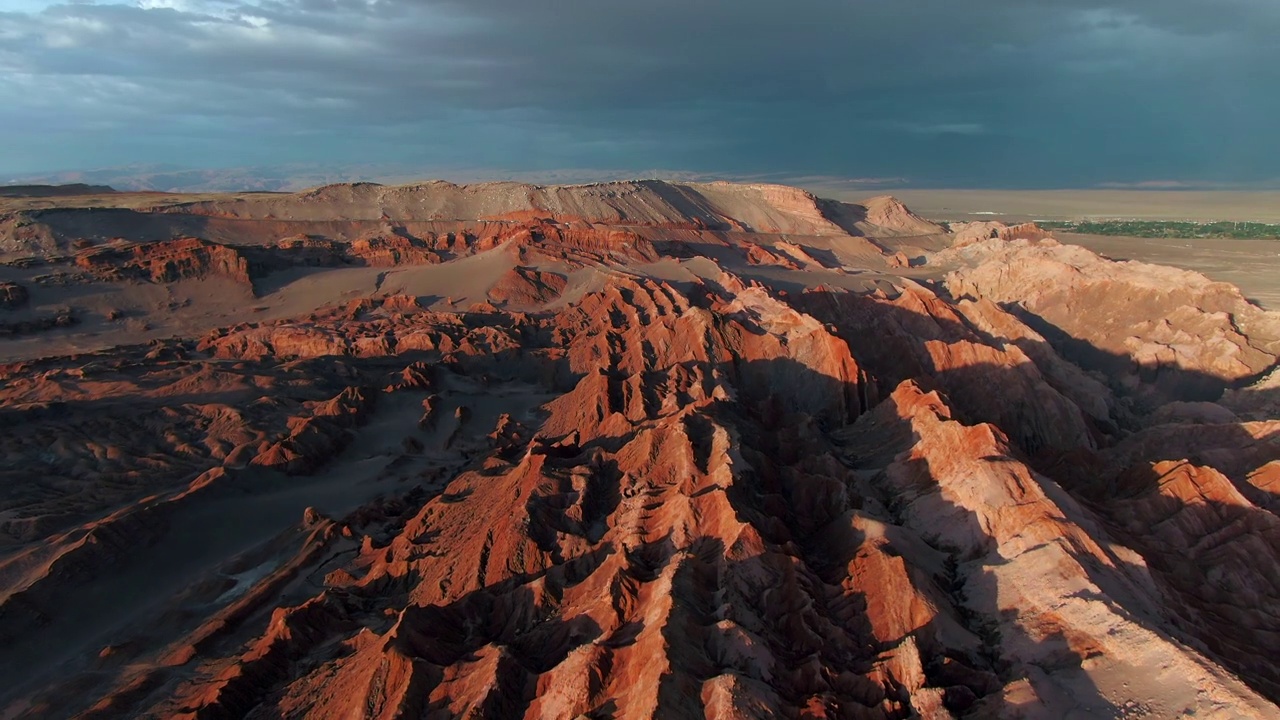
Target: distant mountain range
{"x": 288, "y": 178}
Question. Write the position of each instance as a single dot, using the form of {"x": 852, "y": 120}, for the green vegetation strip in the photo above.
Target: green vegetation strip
{"x": 1168, "y": 229}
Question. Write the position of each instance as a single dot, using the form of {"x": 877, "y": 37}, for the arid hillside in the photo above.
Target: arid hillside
{"x": 624, "y": 450}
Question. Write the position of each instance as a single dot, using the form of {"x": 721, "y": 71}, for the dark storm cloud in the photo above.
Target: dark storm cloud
{"x": 990, "y": 92}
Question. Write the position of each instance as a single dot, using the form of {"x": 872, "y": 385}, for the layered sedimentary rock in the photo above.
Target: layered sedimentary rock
{"x": 887, "y": 216}
{"x": 165, "y": 262}
{"x": 352, "y": 209}
{"x": 1157, "y": 332}
{"x": 654, "y": 461}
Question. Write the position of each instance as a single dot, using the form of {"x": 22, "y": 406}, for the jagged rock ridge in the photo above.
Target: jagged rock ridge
{"x": 654, "y": 461}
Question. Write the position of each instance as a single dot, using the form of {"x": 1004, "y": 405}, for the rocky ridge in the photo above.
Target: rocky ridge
{"x": 662, "y": 463}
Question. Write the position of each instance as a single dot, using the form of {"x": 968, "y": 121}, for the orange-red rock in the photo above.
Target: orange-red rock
{"x": 632, "y": 450}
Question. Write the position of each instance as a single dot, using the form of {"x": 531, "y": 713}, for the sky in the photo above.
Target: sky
{"x": 923, "y": 93}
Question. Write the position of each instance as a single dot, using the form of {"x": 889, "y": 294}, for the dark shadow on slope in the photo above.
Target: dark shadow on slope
{"x": 846, "y": 216}
{"x": 810, "y": 511}
{"x": 1210, "y": 554}
{"x": 1161, "y": 384}
{"x": 890, "y": 342}
{"x": 192, "y": 537}
{"x": 885, "y": 438}
{"x": 689, "y": 203}
{"x": 795, "y": 497}
{"x": 126, "y": 446}
{"x": 68, "y": 225}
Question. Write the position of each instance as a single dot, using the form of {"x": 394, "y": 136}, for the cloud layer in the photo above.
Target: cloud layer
{"x": 1038, "y": 93}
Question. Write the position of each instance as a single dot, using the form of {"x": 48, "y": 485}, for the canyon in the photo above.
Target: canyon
{"x": 622, "y": 450}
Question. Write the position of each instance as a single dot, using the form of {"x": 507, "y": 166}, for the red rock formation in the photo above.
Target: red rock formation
{"x": 964, "y": 234}
{"x": 390, "y": 250}
{"x": 672, "y": 492}
{"x": 917, "y": 335}
{"x": 527, "y": 286}
{"x": 1203, "y": 540}
{"x": 760, "y": 255}
{"x": 314, "y": 440}
{"x": 12, "y": 295}
{"x": 165, "y": 262}
{"x": 1158, "y": 333}
{"x": 1023, "y": 231}
{"x": 899, "y": 260}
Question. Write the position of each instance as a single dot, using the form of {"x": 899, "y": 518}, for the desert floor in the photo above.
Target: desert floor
{"x": 1253, "y": 265}
{"x": 1021, "y": 205}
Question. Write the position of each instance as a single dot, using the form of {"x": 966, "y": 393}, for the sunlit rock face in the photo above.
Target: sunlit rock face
{"x": 633, "y": 450}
